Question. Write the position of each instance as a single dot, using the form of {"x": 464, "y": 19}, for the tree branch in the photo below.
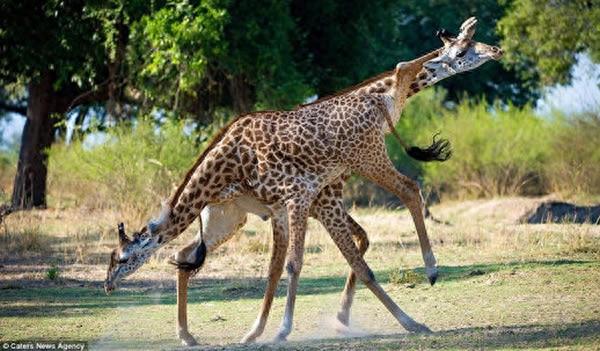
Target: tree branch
{"x": 22, "y": 110}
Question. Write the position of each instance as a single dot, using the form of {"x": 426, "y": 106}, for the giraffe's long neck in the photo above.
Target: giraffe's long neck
{"x": 401, "y": 83}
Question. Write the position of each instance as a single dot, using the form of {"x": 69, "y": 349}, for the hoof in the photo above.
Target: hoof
{"x": 343, "y": 318}
{"x": 432, "y": 275}
{"x": 280, "y": 338}
{"x": 250, "y": 337}
{"x": 433, "y": 279}
{"x": 187, "y": 339}
{"x": 419, "y": 329}
{"x": 340, "y": 327}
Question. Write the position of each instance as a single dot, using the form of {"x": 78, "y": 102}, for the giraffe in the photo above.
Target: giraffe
{"x": 316, "y": 145}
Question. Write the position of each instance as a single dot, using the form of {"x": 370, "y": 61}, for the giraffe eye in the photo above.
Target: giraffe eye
{"x": 462, "y": 53}
{"x": 123, "y": 261}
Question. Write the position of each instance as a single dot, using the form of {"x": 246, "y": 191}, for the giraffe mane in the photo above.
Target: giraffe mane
{"x": 350, "y": 88}
{"x": 214, "y": 141}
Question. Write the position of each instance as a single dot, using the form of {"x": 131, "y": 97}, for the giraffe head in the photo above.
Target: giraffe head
{"x": 461, "y": 53}
{"x": 129, "y": 255}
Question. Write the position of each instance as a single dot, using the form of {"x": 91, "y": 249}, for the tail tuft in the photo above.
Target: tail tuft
{"x": 193, "y": 266}
{"x": 439, "y": 150}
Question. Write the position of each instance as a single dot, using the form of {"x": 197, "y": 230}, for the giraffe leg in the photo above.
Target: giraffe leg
{"x": 341, "y": 234}
{"x": 220, "y": 222}
{"x": 184, "y": 335}
{"x": 331, "y": 194}
{"x": 378, "y": 168}
{"x": 280, "y": 243}
{"x": 297, "y": 211}
{"x": 360, "y": 236}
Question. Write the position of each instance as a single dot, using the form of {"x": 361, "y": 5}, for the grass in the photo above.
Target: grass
{"x": 502, "y": 285}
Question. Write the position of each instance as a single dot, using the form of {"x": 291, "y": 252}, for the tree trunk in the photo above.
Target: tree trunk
{"x": 240, "y": 94}
{"x": 29, "y": 189}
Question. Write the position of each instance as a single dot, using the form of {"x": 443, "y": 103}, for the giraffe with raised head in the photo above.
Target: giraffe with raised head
{"x": 279, "y": 163}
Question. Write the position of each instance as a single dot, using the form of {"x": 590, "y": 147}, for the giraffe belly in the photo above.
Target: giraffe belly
{"x": 252, "y": 205}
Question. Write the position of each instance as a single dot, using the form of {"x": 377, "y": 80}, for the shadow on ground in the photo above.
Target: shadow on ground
{"x": 515, "y": 337}
{"x": 63, "y": 300}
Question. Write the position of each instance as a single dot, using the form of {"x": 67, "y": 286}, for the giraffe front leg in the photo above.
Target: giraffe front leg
{"x": 280, "y": 244}
{"x": 342, "y": 236}
{"x": 219, "y": 223}
{"x": 378, "y": 168}
{"x": 297, "y": 211}
{"x": 184, "y": 335}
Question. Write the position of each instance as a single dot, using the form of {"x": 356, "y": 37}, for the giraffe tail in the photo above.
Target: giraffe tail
{"x": 198, "y": 262}
{"x": 439, "y": 150}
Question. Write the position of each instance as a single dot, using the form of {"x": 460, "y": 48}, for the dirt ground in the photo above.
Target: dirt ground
{"x": 502, "y": 285}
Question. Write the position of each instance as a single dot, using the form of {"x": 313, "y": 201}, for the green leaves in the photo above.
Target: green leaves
{"x": 171, "y": 48}
{"x": 543, "y": 37}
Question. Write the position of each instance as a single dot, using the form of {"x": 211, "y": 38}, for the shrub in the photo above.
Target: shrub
{"x": 23, "y": 242}
{"x": 574, "y": 167}
{"x": 404, "y": 276}
{"x": 498, "y": 151}
{"x": 52, "y": 273}
{"x": 135, "y": 169}
{"x": 8, "y": 162}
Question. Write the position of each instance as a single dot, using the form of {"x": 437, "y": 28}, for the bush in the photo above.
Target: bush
{"x": 498, "y": 151}
{"x": 52, "y": 273}
{"x": 405, "y": 276}
{"x": 8, "y": 162}
{"x": 135, "y": 169}
{"x": 574, "y": 167}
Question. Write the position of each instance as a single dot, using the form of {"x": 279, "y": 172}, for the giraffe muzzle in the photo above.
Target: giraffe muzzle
{"x": 497, "y": 53}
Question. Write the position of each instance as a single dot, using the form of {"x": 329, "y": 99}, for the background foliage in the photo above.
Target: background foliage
{"x": 118, "y": 66}
{"x": 499, "y": 151}
{"x": 542, "y": 38}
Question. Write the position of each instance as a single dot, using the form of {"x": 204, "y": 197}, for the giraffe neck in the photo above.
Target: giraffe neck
{"x": 401, "y": 83}
{"x": 425, "y": 78}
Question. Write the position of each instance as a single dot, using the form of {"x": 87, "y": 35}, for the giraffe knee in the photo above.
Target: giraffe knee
{"x": 293, "y": 268}
{"x": 362, "y": 240}
{"x": 413, "y": 189}
{"x": 363, "y": 244}
{"x": 368, "y": 277}
{"x": 360, "y": 235}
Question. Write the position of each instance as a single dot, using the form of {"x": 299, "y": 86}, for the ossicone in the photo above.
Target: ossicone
{"x": 123, "y": 239}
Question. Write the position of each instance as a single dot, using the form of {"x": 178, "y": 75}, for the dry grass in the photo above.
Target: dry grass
{"x": 482, "y": 230}
{"x": 549, "y": 274}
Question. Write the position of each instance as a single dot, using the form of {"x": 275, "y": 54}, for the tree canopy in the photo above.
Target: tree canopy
{"x": 206, "y": 59}
{"x": 542, "y": 37}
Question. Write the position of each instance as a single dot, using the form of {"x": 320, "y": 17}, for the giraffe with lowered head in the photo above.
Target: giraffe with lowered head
{"x": 280, "y": 162}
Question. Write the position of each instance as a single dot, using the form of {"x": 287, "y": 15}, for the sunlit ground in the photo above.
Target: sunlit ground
{"x": 502, "y": 285}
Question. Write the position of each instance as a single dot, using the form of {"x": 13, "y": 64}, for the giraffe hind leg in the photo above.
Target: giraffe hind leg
{"x": 342, "y": 237}
{"x": 360, "y": 236}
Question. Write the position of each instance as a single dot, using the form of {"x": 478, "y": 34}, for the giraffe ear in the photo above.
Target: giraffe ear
{"x": 444, "y": 36}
